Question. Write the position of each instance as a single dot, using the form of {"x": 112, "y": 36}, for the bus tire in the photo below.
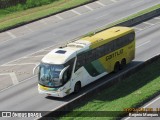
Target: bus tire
{"x": 77, "y": 87}
{"x": 123, "y": 63}
{"x": 116, "y": 67}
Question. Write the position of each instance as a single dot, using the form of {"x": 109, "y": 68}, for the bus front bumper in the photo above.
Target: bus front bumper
{"x": 51, "y": 93}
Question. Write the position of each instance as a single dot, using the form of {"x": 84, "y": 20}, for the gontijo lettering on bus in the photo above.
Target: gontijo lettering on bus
{"x": 115, "y": 54}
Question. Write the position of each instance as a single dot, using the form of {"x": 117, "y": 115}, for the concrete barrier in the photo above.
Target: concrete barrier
{"x": 73, "y": 103}
{"x": 140, "y": 19}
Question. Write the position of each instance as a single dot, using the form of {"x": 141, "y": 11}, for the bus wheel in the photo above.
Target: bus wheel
{"x": 123, "y": 63}
{"x": 77, "y": 87}
{"x": 116, "y": 67}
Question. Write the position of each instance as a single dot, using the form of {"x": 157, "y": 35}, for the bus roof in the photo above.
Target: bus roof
{"x": 62, "y": 55}
{"x": 107, "y": 35}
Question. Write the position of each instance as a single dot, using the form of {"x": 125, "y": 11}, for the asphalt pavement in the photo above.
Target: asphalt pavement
{"x": 21, "y": 53}
{"x": 25, "y": 97}
{"x": 28, "y": 49}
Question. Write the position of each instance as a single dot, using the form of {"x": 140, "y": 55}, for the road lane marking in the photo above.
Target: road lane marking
{"x": 146, "y": 106}
{"x": 143, "y": 44}
{"x": 20, "y": 64}
{"x": 148, "y": 23}
{"x": 137, "y": 28}
{"x": 88, "y": 7}
{"x": 18, "y": 84}
{"x": 102, "y": 16}
{"x": 133, "y": 4}
{"x": 13, "y": 77}
{"x": 151, "y": 102}
{"x": 11, "y": 34}
{"x": 43, "y": 21}
{"x": 35, "y": 56}
{"x": 59, "y": 17}
{"x": 74, "y": 11}
{"x": 98, "y": 2}
{"x": 44, "y": 49}
{"x": 113, "y": 0}
{"x": 157, "y": 18}
{"x": 28, "y": 28}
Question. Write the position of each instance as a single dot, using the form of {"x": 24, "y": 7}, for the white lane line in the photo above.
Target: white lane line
{"x": 148, "y": 23}
{"x": 104, "y": 25}
{"x": 47, "y": 48}
{"x": 36, "y": 56}
{"x": 113, "y": 0}
{"x": 151, "y": 102}
{"x": 44, "y": 49}
{"x": 43, "y": 21}
{"x": 127, "y": 118}
{"x": 19, "y": 83}
{"x": 88, "y": 7}
{"x": 146, "y": 105}
{"x": 143, "y": 44}
{"x": 59, "y": 17}
{"x": 98, "y": 2}
{"x": 137, "y": 3}
{"x": 13, "y": 77}
{"x": 20, "y": 64}
{"x": 74, "y": 11}
{"x": 157, "y": 18}
{"x": 11, "y": 34}
{"x": 102, "y": 16}
{"x": 137, "y": 28}
{"x": 28, "y": 28}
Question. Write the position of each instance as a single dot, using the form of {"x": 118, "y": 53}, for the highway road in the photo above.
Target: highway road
{"x": 25, "y": 97}
{"x": 70, "y": 28}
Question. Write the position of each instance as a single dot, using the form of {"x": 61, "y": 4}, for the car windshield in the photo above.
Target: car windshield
{"x": 49, "y": 75}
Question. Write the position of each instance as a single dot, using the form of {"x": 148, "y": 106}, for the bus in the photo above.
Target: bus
{"x": 67, "y": 69}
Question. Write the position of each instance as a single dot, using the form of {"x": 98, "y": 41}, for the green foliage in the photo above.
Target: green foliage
{"x": 27, "y": 5}
{"x": 9, "y": 18}
{"x": 128, "y": 93}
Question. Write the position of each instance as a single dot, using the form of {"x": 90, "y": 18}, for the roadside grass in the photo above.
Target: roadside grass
{"x": 128, "y": 93}
{"x": 23, "y": 6}
{"x": 124, "y": 19}
{"x": 16, "y": 18}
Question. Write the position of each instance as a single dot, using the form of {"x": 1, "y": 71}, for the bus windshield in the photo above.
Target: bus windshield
{"x": 49, "y": 75}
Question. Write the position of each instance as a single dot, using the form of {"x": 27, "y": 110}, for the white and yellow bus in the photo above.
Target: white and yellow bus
{"x": 66, "y": 69}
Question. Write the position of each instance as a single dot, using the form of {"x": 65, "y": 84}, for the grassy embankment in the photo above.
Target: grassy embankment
{"x": 128, "y": 93}
{"x": 30, "y": 11}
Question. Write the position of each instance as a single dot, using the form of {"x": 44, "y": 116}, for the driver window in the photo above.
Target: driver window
{"x": 67, "y": 74}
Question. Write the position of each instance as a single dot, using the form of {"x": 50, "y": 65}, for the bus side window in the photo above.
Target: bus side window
{"x": 94, "y": 55}
{"x": 69, "y": 70}
{"x": 112, "y": 46}
{"x": 106, "y": 48}
{"x": 99, "y": 52}
{"x": 80, "y": 61}
{"x": 123, "y": 41}
{"x": 131, "y": 36}
{"x": 89, "y": 56}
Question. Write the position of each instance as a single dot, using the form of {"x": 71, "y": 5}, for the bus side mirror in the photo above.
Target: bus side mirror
{"x": 62, "y": 72}
{"x": 35, "y": 68}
